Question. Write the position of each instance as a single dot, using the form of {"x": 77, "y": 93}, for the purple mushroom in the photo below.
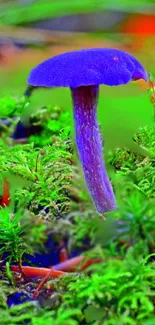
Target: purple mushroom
{"x": 83, "y": 71}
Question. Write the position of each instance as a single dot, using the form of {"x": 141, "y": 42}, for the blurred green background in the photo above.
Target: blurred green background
{"x": 31, "y": 31}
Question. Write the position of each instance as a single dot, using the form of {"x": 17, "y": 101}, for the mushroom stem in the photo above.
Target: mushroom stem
{"x": 89, "y": 146}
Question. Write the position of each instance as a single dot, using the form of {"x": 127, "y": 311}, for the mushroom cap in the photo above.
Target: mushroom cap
{"x": 111, "y": 67}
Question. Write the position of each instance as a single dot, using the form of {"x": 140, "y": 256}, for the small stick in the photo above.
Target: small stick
{"x": 42, "y": 282}
{"x": 89, "y": 262}
{"x": 71, "y": 264}
{"x": 68, "y": 266}
{"x": 36, "y": 272}
{"x": 63, "y": 256}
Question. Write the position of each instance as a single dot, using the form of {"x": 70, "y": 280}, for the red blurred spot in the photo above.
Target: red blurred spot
{"x": 115, "y": 58}
{"x": 89, "y": 262}
{"x": 5, "y": 200}
{"x": 141, "y": 27}
{"x": 140, "y": 24}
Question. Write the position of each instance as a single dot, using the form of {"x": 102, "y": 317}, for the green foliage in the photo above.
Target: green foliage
{"x": 128, "y": 163}
{"x": 54, "y": 121}
{"x": 43, "y": 162}
{"x": 63, "y": 316}
{"x": 18, "y": 13}
{"x": 16, "y": 235}
{"x": 7, "y": 106}
{"x": 120, "y": 291}
{"x": 10, "y": 106}
{"x": 11, "y": 232}
{"x": 29, "y": 312}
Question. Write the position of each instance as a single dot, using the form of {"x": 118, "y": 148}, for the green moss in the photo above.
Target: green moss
{"x": 119, "y": 290}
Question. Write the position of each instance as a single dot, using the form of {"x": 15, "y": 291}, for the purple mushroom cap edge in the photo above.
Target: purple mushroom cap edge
{"x": 83, "y": 71}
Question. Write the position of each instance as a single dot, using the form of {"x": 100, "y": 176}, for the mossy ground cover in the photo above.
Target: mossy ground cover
{"x": 48, "y": 196}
